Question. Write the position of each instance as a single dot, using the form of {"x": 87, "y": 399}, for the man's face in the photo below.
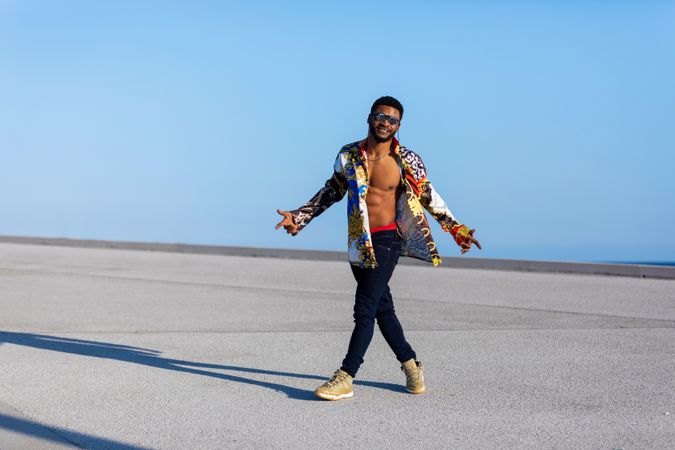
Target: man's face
{"x": 382, "y": 130}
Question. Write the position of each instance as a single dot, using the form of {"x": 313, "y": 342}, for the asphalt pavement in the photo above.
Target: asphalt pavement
{"x": 111, "y": 348}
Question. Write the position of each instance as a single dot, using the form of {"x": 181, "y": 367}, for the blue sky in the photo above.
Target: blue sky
{"x": 548, "y": 127}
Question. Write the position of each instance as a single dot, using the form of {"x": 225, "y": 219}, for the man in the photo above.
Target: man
{"x": 387, "y": 190}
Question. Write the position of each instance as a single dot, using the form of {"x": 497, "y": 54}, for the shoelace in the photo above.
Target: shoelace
{"x": 336, "y": 379}
{"x": 414, "y": 375}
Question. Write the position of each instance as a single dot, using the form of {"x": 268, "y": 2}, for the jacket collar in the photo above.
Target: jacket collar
{"x": 395, "y": 148}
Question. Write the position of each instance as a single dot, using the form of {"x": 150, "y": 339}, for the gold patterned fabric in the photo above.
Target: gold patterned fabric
{"x": 349, "y": 177}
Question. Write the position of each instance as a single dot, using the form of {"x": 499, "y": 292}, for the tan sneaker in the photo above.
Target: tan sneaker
{"x": 414, "y": 375}
{"x": 337, "y": 388}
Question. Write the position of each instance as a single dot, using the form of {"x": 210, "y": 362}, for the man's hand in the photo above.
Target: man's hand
{"x": 288, "y": 223}
{"x": 466, "y": 245}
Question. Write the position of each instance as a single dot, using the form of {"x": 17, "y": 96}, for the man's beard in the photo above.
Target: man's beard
{"x": 377, "y": 138}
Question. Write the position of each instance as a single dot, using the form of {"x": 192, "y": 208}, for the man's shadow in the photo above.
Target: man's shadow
{"x": 152, "y": 358}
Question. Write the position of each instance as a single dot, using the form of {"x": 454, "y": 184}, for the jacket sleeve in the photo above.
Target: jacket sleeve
{"x": 436, "y": 206}
{"x": 330, "y": 193}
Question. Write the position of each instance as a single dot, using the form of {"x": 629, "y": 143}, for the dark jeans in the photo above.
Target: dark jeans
{"x": 373, "y": 301}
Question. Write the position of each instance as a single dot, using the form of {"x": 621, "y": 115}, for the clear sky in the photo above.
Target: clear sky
{"x": 548, "y": 126}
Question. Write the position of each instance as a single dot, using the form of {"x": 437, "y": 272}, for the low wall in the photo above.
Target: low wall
{"x": 627, "y": 270}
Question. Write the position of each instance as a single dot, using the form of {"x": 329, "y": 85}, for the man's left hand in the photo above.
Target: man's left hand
{"x": 469, "y": 241}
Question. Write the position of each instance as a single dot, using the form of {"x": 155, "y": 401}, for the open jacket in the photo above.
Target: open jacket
{"x": 350, "y": 176}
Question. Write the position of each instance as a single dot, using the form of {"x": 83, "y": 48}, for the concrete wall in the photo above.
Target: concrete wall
{"x": 627, "y": 270}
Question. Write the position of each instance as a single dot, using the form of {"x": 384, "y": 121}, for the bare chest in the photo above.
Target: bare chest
{"x": 383, "y": 174}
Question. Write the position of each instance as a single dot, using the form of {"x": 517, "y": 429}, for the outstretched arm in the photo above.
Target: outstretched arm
{"x": 434, "y": 203}
{"x": 333, "y": 191}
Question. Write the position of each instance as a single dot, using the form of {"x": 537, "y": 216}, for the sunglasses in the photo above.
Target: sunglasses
{"x": 384, "y": 118}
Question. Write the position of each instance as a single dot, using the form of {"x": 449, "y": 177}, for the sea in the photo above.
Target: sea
{"x": 647, "y": 263}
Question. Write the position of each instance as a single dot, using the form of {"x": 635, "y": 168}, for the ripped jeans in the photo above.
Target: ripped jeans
{"x": 374, "y": 302}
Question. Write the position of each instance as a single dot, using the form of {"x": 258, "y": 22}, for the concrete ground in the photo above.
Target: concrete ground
{"x": 131, "y": 349}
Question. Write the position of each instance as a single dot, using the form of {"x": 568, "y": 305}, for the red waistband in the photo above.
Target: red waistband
{"x": 391, "y": 226}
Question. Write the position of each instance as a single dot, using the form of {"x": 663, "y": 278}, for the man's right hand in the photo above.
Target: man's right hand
{"x": 287, "y": 222}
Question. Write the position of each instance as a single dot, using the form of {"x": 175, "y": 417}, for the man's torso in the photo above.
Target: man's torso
{"x": 384, "y": 186}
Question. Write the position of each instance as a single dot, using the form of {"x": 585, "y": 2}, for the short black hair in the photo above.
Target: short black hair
{"x": 387, "y": 101}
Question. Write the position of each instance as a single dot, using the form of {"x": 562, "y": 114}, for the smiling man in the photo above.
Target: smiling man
{"x": 387, "y": 191}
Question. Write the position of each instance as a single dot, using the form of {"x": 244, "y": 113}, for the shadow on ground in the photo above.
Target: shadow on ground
{"x": 60, "y": 436}
{"x": 152, "y": 358}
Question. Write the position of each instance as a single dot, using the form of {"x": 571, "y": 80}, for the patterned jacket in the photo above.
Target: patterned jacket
{"x": 350, "y": 176}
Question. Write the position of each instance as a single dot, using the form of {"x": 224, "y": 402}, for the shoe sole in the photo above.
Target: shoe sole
{"x": 334, "y": 397}
{"x": 424, "y": 389}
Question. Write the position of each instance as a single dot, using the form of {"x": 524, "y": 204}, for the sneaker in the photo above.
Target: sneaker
{"x": 337, "y": 388}
{"x": 414, "y": 382}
